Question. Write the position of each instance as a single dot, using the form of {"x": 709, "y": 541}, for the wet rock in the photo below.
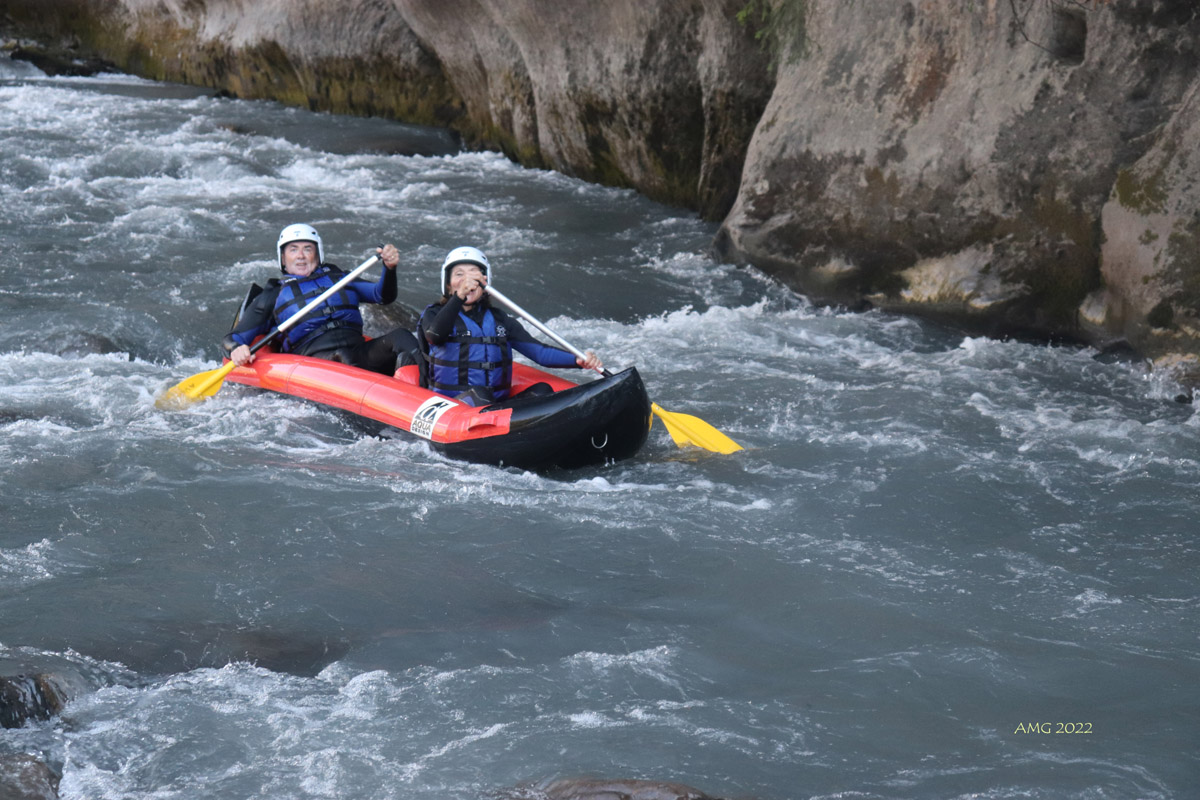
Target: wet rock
{"x": 1184, "y": 370}
{"x": 78, "y": 343}
{"x": 30, "y": 697}
{"x": 190, "y": 646}
{"x": 396, "y": 314}
{"x": 291, "y": 652}
{"x": 1117, "y": 352}
{"x": 59, "y": 62}
{"x": 23, "y": 777}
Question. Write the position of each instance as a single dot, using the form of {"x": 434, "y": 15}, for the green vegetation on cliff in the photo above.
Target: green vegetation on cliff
{"x": 780, "y": 27}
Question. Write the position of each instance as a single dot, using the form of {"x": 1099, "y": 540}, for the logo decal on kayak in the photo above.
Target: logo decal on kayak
{"x": 428, "y": 414}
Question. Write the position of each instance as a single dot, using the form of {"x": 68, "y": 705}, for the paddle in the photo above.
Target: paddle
{"x": 684, "y": 428}
{"x": 206, "y": 384}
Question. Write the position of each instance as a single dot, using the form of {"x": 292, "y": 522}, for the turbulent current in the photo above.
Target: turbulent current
{"x": 943, "y": 566}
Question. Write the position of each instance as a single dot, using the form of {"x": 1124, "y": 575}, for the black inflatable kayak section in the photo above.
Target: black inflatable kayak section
{"x": 566, "y": 427}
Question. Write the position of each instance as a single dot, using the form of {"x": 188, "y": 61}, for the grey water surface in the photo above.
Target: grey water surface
{"x": 944, "y": 566}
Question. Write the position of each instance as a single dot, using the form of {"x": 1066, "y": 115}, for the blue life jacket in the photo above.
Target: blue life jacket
{"x": 473, "y": 355}
{"x": 339, "y": 311}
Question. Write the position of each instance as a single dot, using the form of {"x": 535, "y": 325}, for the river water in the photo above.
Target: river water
{"x": 943, "y": 567}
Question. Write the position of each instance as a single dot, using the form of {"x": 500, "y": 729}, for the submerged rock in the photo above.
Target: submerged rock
{"x": 190, "y": 646}
{"x": 590, "y": 789}
{"x": 23, "y": 777}
{"x": 66, "y": 62}
{"x": 30, "y": 697}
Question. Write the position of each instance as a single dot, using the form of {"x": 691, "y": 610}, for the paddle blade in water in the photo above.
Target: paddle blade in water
{"x": 686, "y": 429}
{"x": 197, "y": 387}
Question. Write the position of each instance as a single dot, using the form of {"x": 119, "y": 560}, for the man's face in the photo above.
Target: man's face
{"x": 300, "y": 258}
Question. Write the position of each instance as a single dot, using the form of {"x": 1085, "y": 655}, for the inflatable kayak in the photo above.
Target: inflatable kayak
{"x": 574, "y": 425}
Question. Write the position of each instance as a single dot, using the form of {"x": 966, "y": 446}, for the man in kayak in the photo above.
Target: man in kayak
{"x": 468, "y": 345}
{"x": 333, "y": 330}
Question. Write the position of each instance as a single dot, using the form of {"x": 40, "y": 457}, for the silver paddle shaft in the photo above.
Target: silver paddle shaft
{"x": 535, "y": 322}
{"x": 325, "y": 295}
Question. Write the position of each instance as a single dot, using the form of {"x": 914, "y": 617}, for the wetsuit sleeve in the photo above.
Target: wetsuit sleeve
{"x": 439, "y": 324}
{"x": 541, "y": 354}
{"x": 382, "y": 291}
{"x": 545, "y": 355}
{"x": 257, "y": 320}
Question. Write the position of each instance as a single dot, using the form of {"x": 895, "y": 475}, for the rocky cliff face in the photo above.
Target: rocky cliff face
{"x": 661, "y": 96}
{"x": 1017, "y": 166}
{"x": 1150, "y": 256}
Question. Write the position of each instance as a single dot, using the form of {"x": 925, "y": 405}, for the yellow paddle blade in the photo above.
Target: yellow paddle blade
{"x": 686, "y": 429}
{"x": 197, "y": 387}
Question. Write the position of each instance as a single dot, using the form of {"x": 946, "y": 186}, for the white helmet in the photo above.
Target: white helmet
{"x": 464, "y": 255}
{"x": 300, "y": 233}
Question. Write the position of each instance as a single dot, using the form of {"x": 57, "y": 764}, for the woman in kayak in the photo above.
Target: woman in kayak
{"x": 333, "y": 330}
{"x": 468, "y": 345}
